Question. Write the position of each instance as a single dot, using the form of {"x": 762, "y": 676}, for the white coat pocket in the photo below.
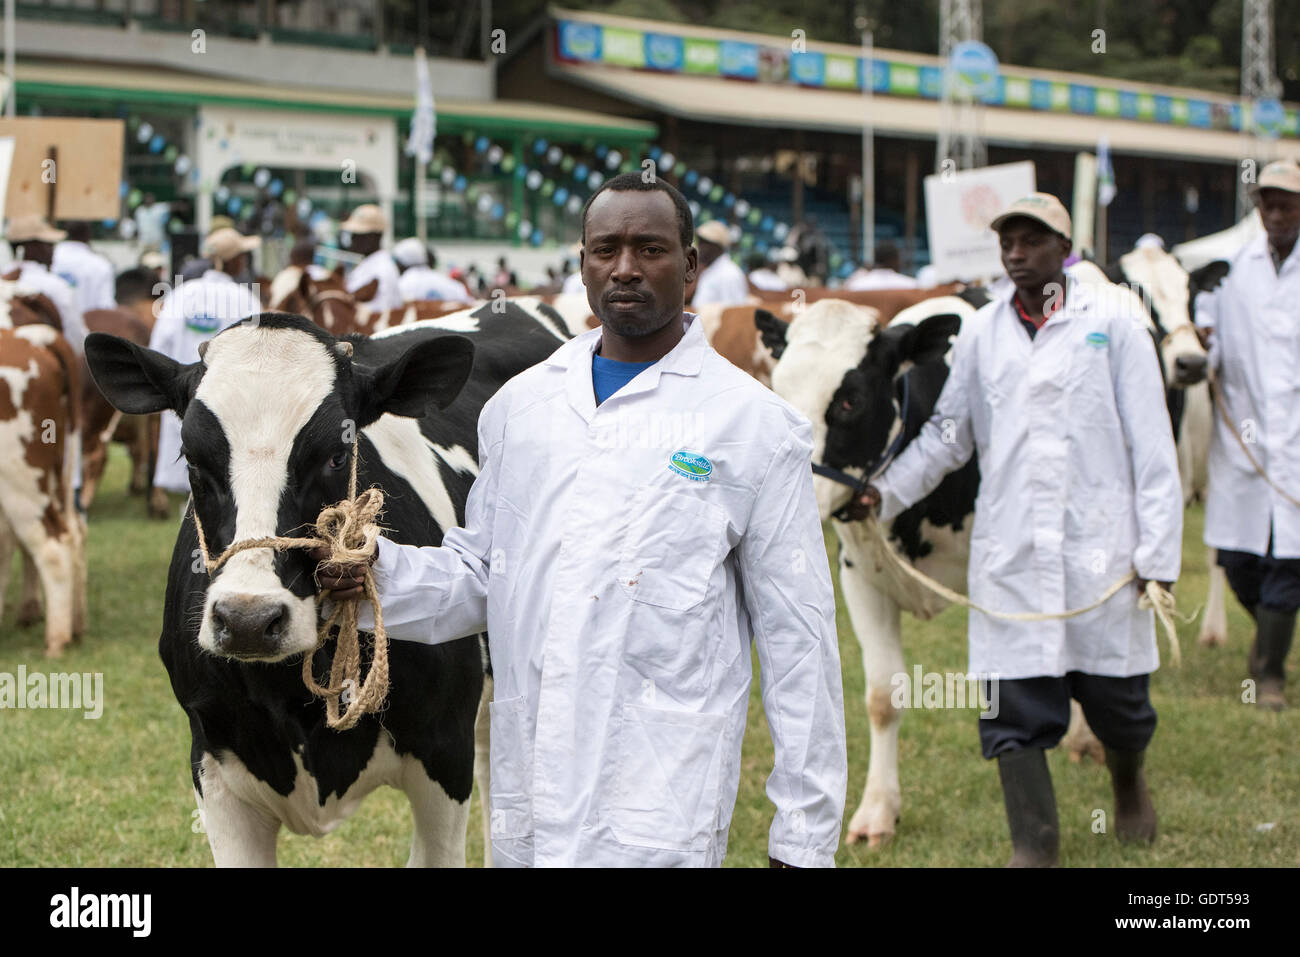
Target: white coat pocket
{"x": 672, "y": 545}
{"x": 666, "y": 791}
{"x": 512, "y": 769}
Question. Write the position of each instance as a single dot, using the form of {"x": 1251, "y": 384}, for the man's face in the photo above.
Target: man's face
{"x": 709, "y": 252}
{"x": 1280, "y": 211}
{"x": 365, "y": 243}
{"x": 633, "y": 263}
{"x": 1031, "y": 253}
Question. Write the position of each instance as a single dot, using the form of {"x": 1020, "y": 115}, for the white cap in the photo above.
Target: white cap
{"x": 410, "y": 252}
{"x": 1149, "y": 241}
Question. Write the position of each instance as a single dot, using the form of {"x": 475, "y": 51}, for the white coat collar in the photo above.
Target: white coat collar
{"x": 686, "y": 358}
{"x": 217, "y": 275}
{"x": 1079, "y": 298}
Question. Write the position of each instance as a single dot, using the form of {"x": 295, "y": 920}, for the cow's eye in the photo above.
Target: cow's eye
{"x": 338, "y": 461}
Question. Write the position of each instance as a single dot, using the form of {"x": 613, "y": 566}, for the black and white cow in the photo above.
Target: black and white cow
{"x": 1169, "y": 292}
{"x": 268, "y": 417}
{"x": 867, "y": 390}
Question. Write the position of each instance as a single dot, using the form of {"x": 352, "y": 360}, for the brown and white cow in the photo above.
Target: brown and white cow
{"x": 39, "y": 430}
{"x": 101, "y": 424}
{"x": 328, "y": 303}
{"x": 733, "y": 333}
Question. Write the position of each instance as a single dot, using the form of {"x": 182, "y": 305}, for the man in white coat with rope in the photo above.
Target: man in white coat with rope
{"x": 644, "y": 511}
{"x": 1058, "y": 388}
{"x": 1252, "y": 513}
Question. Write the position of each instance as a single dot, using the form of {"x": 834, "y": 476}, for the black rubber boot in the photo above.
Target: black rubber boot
{"x": 1274, "y": 631}
{"x": 1135, "y": 815}
{"x": 1031, "y": 808}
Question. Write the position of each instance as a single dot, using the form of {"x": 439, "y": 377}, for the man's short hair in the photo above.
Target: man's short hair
{"x": 625, "y": 182}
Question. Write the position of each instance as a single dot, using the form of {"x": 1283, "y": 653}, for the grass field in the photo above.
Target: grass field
{"x": 116, "y": 791}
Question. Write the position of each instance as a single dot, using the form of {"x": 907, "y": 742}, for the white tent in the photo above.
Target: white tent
{"x": 1197, "y": 252}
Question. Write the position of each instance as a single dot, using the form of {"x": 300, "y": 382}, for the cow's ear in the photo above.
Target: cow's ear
{"x": 430, "y": 373}
{"x": 138, "y": 380}
{"x": 930, "y": 339}
{"x": 366, "y": 292}
{"x": 1208, "y": 276}
{"x": 772, "y": 330}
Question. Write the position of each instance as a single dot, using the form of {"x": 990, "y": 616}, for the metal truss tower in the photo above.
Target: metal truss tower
{"x": 960, "y": 114}
{"x": 1258, "y": 81}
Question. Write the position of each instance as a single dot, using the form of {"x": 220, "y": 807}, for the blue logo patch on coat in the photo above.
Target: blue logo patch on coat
{"x": 1098, "y": 340}
{"x": 691, "y": 464}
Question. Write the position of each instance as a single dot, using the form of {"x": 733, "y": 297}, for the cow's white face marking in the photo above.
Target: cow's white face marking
{"x": 263, "y": 386}
{"x": 1166, "y": 282}
{"x": 822, "y": 344}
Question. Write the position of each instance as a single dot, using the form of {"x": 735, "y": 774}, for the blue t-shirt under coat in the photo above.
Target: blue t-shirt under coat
{"x": 610, "y": 375}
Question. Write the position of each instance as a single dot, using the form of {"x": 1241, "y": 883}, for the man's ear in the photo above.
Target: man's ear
{"x": 772, "y": 330}
{"x": 137, "y": 380}
{"x": 429, "y": 373}
{"x": 930, "y": 339}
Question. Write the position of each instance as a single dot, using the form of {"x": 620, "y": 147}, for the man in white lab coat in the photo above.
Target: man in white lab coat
{"x": 1058, "y": 388}
{"x": 32, "y": 239}
{"x": 721, "y": 280}
{"x": 88, "y": 273}
{"x": 191, "y": 314}
{"x": 1255, "y": 351}
{"x": 643, "y": 508}
{"x": 884, "y": 274}
{"x": 420, "y": 279}
{"x": 365, "y": 229}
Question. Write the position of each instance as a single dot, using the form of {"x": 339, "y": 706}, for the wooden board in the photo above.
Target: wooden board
{"x": 87, "y": 170}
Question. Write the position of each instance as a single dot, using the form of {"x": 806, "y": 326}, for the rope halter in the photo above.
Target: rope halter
{"x": 349, "y": 529}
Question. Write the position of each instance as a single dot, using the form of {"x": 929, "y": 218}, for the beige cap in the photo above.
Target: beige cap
{"x": 715, "y": 231}
{"x": 1282, "y": 174}
{"x": 152, "y": 259}
{"x": 366, "y": 219}
{"x": 226, "y": 243}
{"x": 33, "y": 227}
{"x": 1043, "y": 207}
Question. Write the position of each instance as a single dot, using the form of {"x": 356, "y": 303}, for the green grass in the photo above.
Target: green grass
{"x": 116, "y": 791}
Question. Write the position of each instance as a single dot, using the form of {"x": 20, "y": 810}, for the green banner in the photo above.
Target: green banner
{"x": 624, "y": 47}
{"x": 702, "y": 56}
{"x": 842, "y": 71}
{"x": 904, "y": 79}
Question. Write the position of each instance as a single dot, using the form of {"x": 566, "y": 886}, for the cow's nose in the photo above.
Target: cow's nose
{"x": 247, "y": 626}
{"x": 1190, "y": 369}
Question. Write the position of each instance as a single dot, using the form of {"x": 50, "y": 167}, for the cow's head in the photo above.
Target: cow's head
{"x": 842, "y": 370}
{"x": 268, "y": 417}
{"x": 1169, "y": 293}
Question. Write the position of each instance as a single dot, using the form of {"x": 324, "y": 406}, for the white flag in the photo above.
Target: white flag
{"x": 424, "y": 121}
{"x": 1105, "y": 173}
